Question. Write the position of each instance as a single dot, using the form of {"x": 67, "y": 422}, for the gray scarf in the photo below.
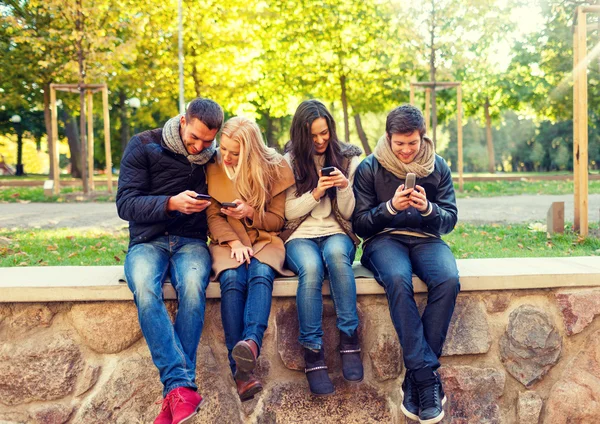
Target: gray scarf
{"x": 172, "y": 138}
{"x": 422, "y": 165}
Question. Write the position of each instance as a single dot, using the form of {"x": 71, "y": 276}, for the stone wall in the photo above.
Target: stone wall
{"x": 527, "y": 356}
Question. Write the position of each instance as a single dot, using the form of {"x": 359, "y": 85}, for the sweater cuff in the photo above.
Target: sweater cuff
{"x": 428, "y": 211}
{"x": 391, "y": 208}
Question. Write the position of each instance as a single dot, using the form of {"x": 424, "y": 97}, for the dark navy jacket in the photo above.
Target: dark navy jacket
{"x": 150, "y": 175}
{"x": 374, "y": 186}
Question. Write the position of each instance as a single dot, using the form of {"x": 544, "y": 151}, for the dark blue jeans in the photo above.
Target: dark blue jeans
{"x": 393, "y": 259}
{"x": 173, "y": 347}
{"x": 311, "y": 259}
{"x": 246, "y": 293}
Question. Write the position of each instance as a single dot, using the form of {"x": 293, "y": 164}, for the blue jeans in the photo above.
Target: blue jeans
{"x": 310, "y": 259}
{"x": 173, "y": 347}
{"x": 393, "y": 258}
{"x": 246, "y": 293}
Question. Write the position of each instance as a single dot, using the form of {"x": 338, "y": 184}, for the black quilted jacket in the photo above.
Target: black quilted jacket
{"x": 150, "y": 175}
{"x": 374, "y": 186}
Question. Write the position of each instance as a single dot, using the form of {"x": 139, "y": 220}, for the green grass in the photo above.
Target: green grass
{"x": 101, "y": 247}
{"x": 62, "y": 247}
{"x": 67, "y": 194}
{"x": 514, "y": 188}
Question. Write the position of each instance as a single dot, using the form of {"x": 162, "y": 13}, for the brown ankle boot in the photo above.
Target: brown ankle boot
{"x": 245, "y": 353}
{"x": 247, "y": 386}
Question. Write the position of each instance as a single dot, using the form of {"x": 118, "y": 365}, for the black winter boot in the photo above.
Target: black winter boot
{"x": 352, "y": 367}
{"x": 316, "y": 373}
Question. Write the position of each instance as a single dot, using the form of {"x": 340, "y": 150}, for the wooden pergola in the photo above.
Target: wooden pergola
{"x": 87, "y": 146}
{"x": 580, "y": 118}
{"x": 428, "y": 86}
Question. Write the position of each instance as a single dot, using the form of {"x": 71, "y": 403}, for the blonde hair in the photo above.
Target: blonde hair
{"x": 259, "y": 166}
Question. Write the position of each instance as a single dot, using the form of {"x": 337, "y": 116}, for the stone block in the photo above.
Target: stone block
{"x": 351, "y": 404}
{"x": 469, "y": 331}
{"x": 473, "y": 394}
{"x": 495, "y": 303}
{"x": 386, "y": 357}
{"x": 531, "y": 345}
{"x": 127, "y": 396}
{"x": 289, "y": 348}
{"x": 106, "y": 327}
{"x": 575, "y": 397}
{"x": 529, "y": 408}
{"x": 88, "y": 379}
{"x": 51, "y": 414}
{"x": 38, "y": 369}
{"x": 555, "y": 218}
{"x": 28, "y": 316}
{"x": 578, "y": 308}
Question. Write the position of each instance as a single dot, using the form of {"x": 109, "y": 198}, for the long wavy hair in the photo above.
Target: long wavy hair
{"x": 303, "y": 149}
{"x": 259, "y": 166}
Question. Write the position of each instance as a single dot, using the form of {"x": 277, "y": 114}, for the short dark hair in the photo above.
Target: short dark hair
{"x": 405, "y": 119}
{"x": 207, "y": 111}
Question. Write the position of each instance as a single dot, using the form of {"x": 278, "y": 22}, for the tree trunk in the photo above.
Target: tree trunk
{"x": 72, "y": 133}
{"x": 432, "y": 76}
{"x": 80, "y": 26}
{"x": 345, "y": 108}
{"x": 269, "y": 130}
{"x": 362, "y": 135}
{"x": 125, "y": 135}
{"x": 490, "y": 141}
{"x": 48, "y": 123}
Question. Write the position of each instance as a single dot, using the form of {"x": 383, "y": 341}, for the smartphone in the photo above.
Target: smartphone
{"x": 326, "y": 172}
{"x": 227, "y": 205}
{"x": 202, "y": 197}
{"x": 411, "y": 180}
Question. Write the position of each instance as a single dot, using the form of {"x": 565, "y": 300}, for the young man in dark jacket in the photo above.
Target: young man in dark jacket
{"x": 162, "y": 173}
{"x": 401, "y": 230}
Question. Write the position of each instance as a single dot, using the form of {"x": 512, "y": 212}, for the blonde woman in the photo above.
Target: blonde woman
{"x": 247, "y": 183}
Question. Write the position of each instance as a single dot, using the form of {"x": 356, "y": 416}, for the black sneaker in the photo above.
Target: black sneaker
{"x": 410, "y": 397}
{"x": 431, "y": 396}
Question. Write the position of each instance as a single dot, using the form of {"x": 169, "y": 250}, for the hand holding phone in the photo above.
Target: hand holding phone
{"x": 201, "y": 196}
{"x": 228, "y": 205}
{"x": 326, "y": 172}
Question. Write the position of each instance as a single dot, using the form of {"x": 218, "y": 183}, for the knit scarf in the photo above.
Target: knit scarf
{"x": 422, "y": 165}
{"x": 172, "y": 138}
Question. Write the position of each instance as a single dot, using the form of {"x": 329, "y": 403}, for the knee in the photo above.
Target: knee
{"x": 398, "y": 283}
{"x": 264, "y": 280}
{"x": 446, "y": 287}
{"x": 310, "y": 273}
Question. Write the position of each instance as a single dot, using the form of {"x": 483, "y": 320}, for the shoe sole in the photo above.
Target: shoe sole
{"x": 406, "y": 411}
{"x": 244, "y": 358}
{"x": 250, "y": 393}
{"x": 435, "y": 419}
{"x": 322, "y": 395}
{"x": 192, "y": 415}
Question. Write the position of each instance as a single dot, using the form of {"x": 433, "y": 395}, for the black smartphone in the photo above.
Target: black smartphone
{"x": 411, "y": 180}
{"x": 227, "y": 205}
{"x": 202, "y": 197}
{"x": 326, "y": 172}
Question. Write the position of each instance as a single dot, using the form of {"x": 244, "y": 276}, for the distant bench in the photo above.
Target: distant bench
{"x": 100, "y": 283}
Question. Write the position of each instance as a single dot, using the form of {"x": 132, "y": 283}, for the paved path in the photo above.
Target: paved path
{"x": 507, "y": 209}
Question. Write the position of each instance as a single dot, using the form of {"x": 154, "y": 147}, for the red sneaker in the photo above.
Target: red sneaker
{"x": 184, "y": 403}
{"x": 164, "y": 417}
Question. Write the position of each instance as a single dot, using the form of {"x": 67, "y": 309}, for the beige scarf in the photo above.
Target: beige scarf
{"x": 422, "y": 165}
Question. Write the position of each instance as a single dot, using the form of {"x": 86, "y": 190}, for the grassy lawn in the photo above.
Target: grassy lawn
{"x": 67, "y": 194}
{"x": 98, "y": 247}
{"x": 513, "y": 188}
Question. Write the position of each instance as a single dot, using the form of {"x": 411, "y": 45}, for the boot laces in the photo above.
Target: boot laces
{"x": 429, "y": 395}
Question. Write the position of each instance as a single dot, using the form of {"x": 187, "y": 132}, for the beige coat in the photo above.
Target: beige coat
{"x": 261, "y": 235}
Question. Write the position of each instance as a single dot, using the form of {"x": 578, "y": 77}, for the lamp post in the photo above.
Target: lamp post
{"x": 16, "y": 120}
{"x": 135, "y": 104}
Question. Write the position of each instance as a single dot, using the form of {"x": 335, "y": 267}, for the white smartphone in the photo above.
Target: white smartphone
{"x": 411, "y": 180}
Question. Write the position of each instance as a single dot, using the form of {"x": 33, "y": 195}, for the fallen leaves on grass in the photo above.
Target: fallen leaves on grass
{"x": 117, "y": 258}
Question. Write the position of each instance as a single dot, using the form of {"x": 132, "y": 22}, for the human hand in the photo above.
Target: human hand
{"x": 323, "y": 185}
{"x": 243, "y": 210}
{"x": 418, "y": 199}
{"x": 240, "y": 252}
{"x": 186, "y": 202}
{"x": 401, "y": 201}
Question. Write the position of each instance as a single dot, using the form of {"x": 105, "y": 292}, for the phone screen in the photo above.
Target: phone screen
{"x": 410, "y": 181}
{"x": 325, "y": 172}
